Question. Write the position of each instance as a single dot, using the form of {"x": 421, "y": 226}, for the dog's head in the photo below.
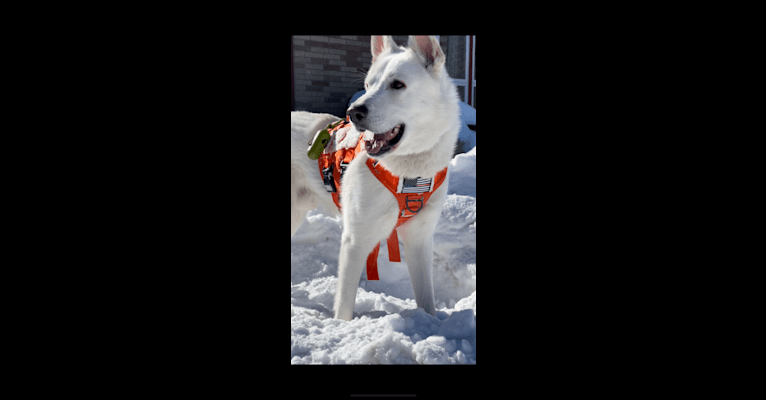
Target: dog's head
{"x": 404, "y": 107}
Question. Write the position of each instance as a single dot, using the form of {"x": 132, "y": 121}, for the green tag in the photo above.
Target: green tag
{"x": 317, "y": 146}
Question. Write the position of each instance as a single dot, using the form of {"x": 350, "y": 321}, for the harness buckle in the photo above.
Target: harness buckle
{"x": 343, "y": 166}
{"x": 329, "y": 181}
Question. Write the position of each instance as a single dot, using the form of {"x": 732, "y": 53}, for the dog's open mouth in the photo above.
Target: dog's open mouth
{"x": 384, "y": 142}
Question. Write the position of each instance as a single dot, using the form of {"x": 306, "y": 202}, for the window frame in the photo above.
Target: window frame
{"x": 469, "y": 91}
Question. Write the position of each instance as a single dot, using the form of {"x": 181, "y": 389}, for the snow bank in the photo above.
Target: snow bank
{"x": 463, "y": 174}
{"x": 388, "y": 328}
{"x": 409, "y": 337}
{"x": 467, "y": 114}
{"x": 466, "y": 138}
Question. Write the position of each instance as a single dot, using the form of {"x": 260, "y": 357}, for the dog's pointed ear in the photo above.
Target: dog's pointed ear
{"x": 381, "y": 44}
{"x": 428, "y": 48}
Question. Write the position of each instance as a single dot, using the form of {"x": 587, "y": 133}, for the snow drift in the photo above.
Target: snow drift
{"x": 388, "y": 328}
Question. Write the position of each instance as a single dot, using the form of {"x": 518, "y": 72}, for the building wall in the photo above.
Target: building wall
{"x": 328, "y": 70}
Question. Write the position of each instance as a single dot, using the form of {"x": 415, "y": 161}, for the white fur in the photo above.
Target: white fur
{"x": 428, "y": 107}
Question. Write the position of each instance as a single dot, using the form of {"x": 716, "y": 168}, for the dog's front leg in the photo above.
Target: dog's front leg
{"x": 369, "y": 216}
{"x": 418, "y": 236}
{"x": 353, "y": 258}
{"x": 418, "y": 248}
{"x": 365, "y": 224}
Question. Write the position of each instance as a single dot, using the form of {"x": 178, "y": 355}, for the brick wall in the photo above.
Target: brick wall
{"x": 328, "y": 70}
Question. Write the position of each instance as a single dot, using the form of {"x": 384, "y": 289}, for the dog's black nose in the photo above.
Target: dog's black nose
{"x": 357, "y": 114}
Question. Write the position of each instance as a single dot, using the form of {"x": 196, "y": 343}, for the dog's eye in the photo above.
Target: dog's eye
{"x": 398, "y": 85}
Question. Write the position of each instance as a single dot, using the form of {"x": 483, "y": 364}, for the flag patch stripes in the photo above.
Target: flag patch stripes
{"x": 416, "y": 185}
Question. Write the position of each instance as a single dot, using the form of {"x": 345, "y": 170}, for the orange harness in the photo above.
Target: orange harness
{"x": 412, "y": 194}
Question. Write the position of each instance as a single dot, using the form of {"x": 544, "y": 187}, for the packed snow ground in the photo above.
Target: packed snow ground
{"x": 388, "y": 328}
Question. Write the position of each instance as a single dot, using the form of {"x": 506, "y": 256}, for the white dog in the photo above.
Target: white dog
{"x": 410, "y": 121}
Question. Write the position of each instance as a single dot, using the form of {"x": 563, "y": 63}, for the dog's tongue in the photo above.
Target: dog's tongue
{"x": 378, "y": 141}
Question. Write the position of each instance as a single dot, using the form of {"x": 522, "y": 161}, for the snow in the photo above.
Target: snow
{"x": 462, "y": 181}
{"x": 466, "y": 137}
{"x": 467, "y": 113}
{"x": 388, "y": 328}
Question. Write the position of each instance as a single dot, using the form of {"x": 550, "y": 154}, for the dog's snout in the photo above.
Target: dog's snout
{"x": 357, "y": 114}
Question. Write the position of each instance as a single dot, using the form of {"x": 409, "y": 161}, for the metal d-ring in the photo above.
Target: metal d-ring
{"x": 407, "y": 205}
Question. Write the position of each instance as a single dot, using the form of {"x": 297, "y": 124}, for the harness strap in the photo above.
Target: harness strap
{"x": 409, "y": 204}
{"x": 411, "y": 194}
{"x": 336, "y": 162}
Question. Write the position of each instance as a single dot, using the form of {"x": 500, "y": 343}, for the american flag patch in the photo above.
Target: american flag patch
{"x": 416, "y": 185}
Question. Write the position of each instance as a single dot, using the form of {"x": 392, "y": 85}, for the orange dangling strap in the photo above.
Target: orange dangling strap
{"x": 393, "y": 256}
{"x": 372, "y": 264}
{"x": 393, "y": 247}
